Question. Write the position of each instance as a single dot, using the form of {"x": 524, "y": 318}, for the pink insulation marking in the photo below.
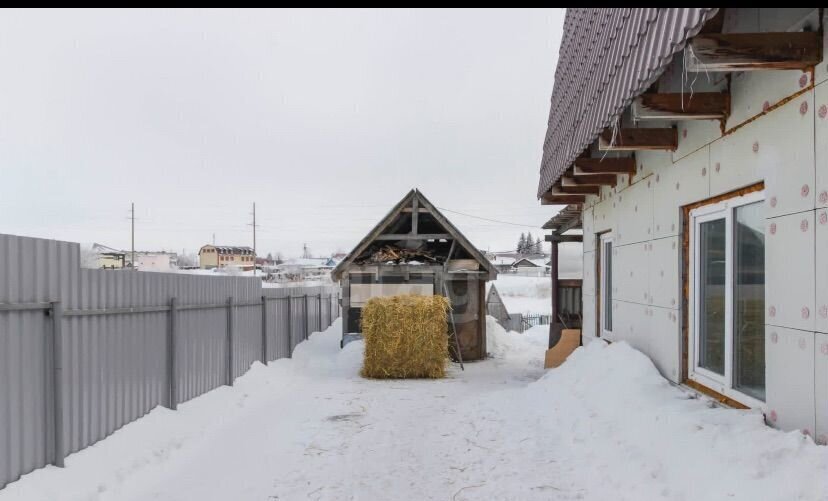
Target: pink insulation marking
{"x": 805, "y": 190}
{"x": 803, "y": 225}
{"x": 823, "y": 218}
{"x": 765, "y": 106}
{"x": 802, "y": 344}
{"x": 756, "y": 146}
{"x": 774, "y": 338}
{"x": 823, "y": 311}
{"x": 718, "y": 166}
{"x": 824, "y": 349}
{"x": 773, "y": 416}
{"x": 773, "y": 202}
{"x": 772, "y": 312}
{"x": 803, "y": 108}
{"x": 773, "y": 229}
{"x": 823, "y": 111}
{"x": 806, "y": 312}
{"x": 803, "y": 80}
{"x": 684, "y": 133}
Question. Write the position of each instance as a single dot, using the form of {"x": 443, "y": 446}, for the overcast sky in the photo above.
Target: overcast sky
{"x": 325, "y": 119}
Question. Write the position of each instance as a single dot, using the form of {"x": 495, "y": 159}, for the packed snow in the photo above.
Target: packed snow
{"x": 605, "y": 425}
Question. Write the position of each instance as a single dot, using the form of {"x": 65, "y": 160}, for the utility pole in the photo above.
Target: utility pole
{"x": 133, "y": 236}
{"x": 254, "y": 238}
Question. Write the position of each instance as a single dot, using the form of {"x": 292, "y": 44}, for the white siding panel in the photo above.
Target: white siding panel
{"x": 588, "y": 229}
{"x": 789, "y": 268}
{"x": 821, "y": 144}
{"x": 588, "y": 321}
{"x": 789, "y": 366}
{"x": 635, "y": 217}
{"x": 664, "y": 272}
{"x": 695, "y": 134}
{"x": 631, "y": 273}
{"x": 604, "y": 216}
{"x": 676, "y": 185}
{"x": 664, "y": 341}
{"x": 779, "y": 150}
{"x": 821, "y": 387}
{"x": 588, "y": 284}
{"x": 821, "y": 275}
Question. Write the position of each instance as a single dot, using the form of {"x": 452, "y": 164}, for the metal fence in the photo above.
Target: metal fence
{"x": 84, "y": 352}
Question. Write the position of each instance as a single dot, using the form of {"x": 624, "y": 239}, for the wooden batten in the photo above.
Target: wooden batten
{"x": 584, "y": 166}
{"x": 639, "y": 139}
{"x": 411, "y": 236}
{"x": 753, "y": 51}
{"x": 564, "y": 238}
{"x": 573, "y": 179}
{"x": 682, "y": 106}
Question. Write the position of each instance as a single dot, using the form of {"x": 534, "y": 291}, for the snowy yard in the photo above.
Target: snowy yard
{"x": 603, "y": 426}
{"x": 525, "y": 295}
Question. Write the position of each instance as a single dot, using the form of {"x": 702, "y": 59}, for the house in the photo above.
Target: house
{"x": 690, "y": 145}
{"x": 536, "y": 267}
{"x": 304, "y": 268}
{"x": 503, "y": 264}
{"x": 414, "y": 249}
{"x": 156, "y": 261}
{"x": 222, "y": 256}
{"x": 107, "y": 257}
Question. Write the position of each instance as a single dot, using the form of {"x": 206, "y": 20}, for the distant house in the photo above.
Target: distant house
{"x": 222, "y": 256}
{"x": 156, "y": 261}
{"x": 503, "y": 264}
{"x": 108, "y": 258}
{"x": 306, "y": 268}
{"x": 534, "y": 267}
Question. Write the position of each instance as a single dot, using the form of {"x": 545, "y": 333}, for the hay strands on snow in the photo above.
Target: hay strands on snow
{"x": 454, "y": 333}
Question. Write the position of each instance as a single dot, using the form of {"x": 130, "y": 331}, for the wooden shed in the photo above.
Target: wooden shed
{"x": 416, "y": 250}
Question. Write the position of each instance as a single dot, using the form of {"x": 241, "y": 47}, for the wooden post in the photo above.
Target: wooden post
{"x": 230, "y": 319}
{"x": 264, "y": 330}
{"x": 56, "y": 311}
{"x": 172, "y": 388}
{"x": 554, "y": 325}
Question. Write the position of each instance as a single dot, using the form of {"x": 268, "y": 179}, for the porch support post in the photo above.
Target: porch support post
{"x": 555, "y": 327}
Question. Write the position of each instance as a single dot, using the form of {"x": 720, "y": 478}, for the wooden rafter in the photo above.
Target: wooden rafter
{"x": 410, "y": 236}
{"x": 754, "y": 51}
{"x": 682, "y": 106}
{"x": 639, "y": 139}
{"x": 576, "y": 189}
{"x": 572, "y": 179}
{"x": 551, "y": 199}
{"x": 564, "y": 238}
{"x": 585, "y": 165}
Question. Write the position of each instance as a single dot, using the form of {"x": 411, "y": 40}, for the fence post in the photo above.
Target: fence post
{"x": 290, "y": 324}
{"x": 319, "y": 320}
{"x": 56, "y": 311}
{"x": 264, "y": 330}
{"x": 172, "y": 379}
{"x": 307, "y": 317}
{"x": 230, "y": 341}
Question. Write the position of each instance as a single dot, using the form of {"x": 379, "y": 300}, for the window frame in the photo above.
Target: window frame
{"x": 606, "y": 274}
{"x": 724, "y": 209}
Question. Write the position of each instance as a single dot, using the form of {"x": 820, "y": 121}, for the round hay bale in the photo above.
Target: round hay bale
{"x": 405, "y": 336}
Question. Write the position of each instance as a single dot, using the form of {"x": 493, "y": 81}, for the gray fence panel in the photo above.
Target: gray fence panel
{"x": 114, "y": 344}
{"x": 32, "y": 271}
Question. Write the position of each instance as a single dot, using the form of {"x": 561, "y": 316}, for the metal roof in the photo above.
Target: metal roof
{"x": 606, "y": 59}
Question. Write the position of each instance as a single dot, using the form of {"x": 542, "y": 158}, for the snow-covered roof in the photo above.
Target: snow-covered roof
{"x": 502, "y": 261}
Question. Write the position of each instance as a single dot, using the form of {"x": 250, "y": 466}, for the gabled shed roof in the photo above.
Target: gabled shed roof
{"x": 414, "y": 198}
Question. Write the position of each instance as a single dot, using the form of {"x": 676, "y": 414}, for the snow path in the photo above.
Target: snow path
{"x": 603, "y": 426}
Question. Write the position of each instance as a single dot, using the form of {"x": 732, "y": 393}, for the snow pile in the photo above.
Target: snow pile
{"x": 649, "y": 439}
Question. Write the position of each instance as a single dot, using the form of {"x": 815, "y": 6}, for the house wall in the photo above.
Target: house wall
{"x": 153, "y": 262}
{"x": 787, "y": 149}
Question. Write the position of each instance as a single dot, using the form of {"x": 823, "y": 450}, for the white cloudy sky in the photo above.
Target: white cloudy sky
{"x": 324, "y": 118}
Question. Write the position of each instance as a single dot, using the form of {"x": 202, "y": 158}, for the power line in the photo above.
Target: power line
{"x": 491, "y": 220}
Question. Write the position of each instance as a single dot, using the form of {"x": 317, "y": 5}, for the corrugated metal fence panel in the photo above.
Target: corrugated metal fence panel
{"x": 115, "y": 363}
{"x": 32, "y": 270}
